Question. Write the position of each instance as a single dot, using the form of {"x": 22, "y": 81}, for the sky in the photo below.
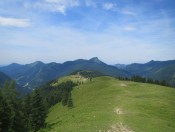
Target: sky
{"x": 115, "y": 31}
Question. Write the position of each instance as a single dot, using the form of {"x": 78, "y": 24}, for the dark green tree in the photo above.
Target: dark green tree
{"x": 163, "y": 83}
{"x": 69, "y": 101}
{"x": 4, "y": 115}
{"x": 64, "y": 98}
{"x": 14, "y": 103}
{"x": 5, "y": 90}
{"x": 13, "y": 106}
{"x": 157, "y": 82}
{"x": 27, "y": 111}
{"x": 90, "y": 79}
{"x": 66, "y": 89}
{"x": 38, "y": 112}
{"x": 149, "y": 80}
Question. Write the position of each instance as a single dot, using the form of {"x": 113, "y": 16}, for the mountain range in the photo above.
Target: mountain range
{"x": 30, "y": 76}
{"x": 157, "y": 70}
{"x": 38, "y": 73}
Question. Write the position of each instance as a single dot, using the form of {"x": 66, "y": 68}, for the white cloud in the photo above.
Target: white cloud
{"x": 56, "y": 5}
{"x": 128, "y": 12}
{"x": 16, "y": 22}
{"x": 148, "y": 38}
{"x": 90, "y": 3}
{"x": 108, "y": 6}
{"x": 50, "y": 40}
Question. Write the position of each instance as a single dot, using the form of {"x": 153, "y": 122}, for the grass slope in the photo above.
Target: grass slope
{"x": 107, "y": 104}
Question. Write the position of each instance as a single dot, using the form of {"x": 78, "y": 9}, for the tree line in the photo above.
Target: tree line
{"x": 19, "y": 114}
{"x": 28, "y": 113}
{"x": 145, "y": 80}
{"x": 60, "y": 93}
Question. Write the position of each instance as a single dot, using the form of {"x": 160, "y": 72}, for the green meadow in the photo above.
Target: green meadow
{"x": 106, "y": 104}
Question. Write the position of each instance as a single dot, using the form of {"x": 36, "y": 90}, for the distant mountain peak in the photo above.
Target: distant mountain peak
{"x": 151, "y": 61}
{"x": 96, "y": 60}
{"x": 36, "y": 63}
{"x": 14, "y": 65}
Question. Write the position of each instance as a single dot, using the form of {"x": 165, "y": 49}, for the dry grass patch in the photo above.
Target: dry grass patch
{"x": 123, "y": 85}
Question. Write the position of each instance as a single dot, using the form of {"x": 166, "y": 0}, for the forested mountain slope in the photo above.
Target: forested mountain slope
{"x": 37, "y": 73}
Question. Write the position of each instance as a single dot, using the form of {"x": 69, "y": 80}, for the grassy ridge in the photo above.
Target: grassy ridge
{"x": 109, "y": 104}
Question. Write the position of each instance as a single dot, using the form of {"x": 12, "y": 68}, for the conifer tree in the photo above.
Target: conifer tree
{"x": 12, "y": 108}
{"x": 4, "y": 114}
{"x": 163, "y": 83}
{"x": 5, "y": 90}
{"x": 69, "y": 101}
{"x": 64, "y": 98}
{"x": 38, "y": 112}
{"x": 27, "y": 111}
{"x": 16, "y": 115}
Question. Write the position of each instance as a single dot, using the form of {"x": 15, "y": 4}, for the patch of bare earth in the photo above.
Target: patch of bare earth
{"x": 119, "y": 127}
{"x": 123, "y": 85}
{"x": 118, "y": 111}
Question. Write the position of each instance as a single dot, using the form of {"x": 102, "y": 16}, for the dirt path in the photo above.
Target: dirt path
{"x": 119, "y": 127}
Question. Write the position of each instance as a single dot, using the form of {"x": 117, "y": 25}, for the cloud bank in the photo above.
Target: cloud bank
{"x": 16, "y": 22}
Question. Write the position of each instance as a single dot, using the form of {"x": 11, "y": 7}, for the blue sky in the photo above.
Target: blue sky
{"x": 116, "y": 31}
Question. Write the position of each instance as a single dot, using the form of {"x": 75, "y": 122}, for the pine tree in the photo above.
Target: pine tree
{"x": 27, "y": 111}
{"x": 149, "y": 80}
{"x": 69, "y": 101}
{"x": 16, "y": 115}
{"x": 5, "y": 90}
{"x": 12, "y": 108}
{"x": 38, "y": 112}
{"x": 64, "y": 98}
{"x": 157, "y": 82}
{"x": 163, "y": 83}
{"x": 4, "y": 114}
{"x": 90, "y": 79}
